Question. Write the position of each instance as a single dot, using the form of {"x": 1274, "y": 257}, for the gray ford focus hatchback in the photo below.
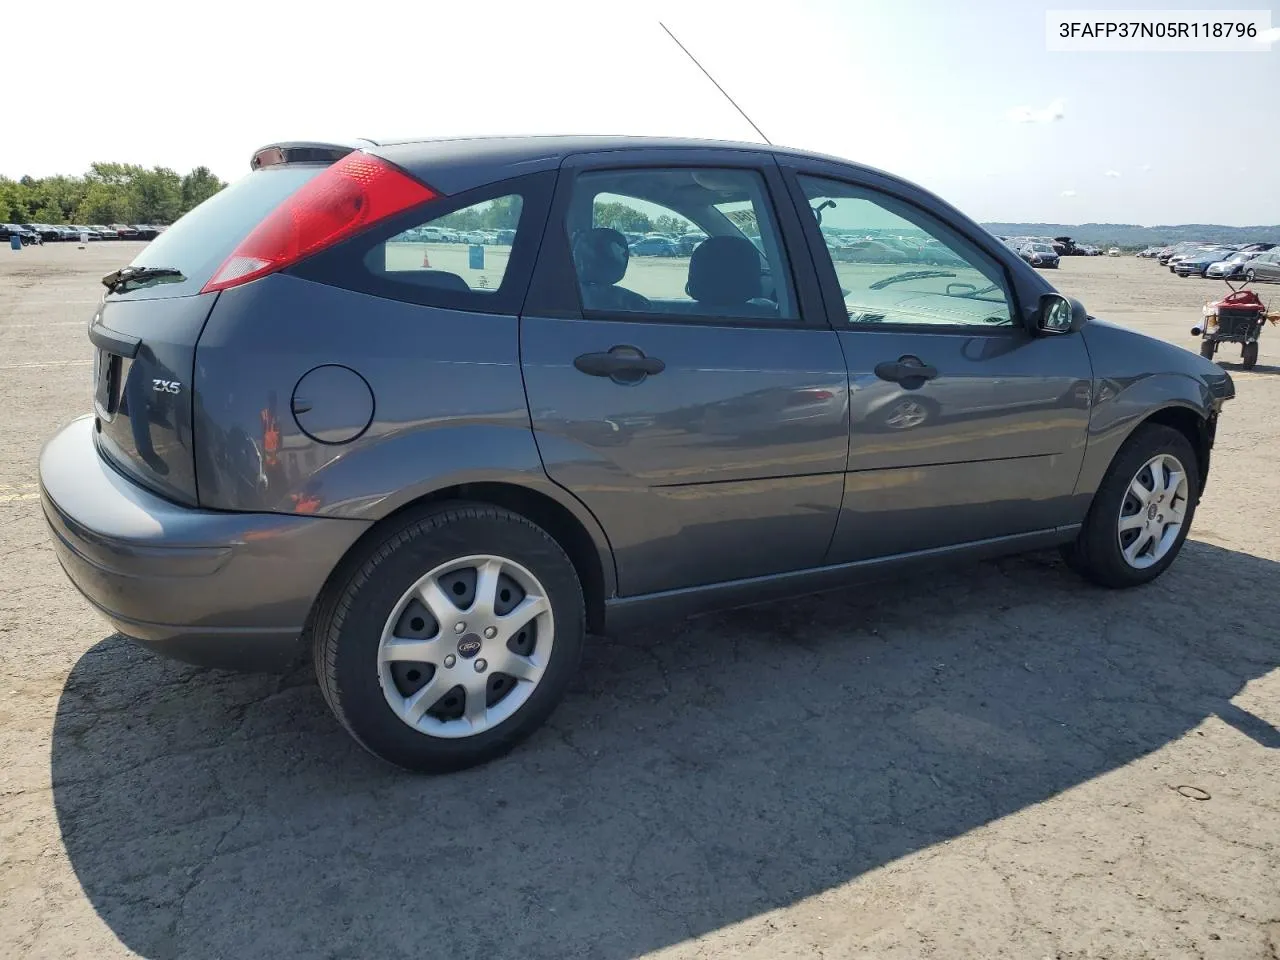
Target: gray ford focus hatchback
{"x": 432, "y": 411}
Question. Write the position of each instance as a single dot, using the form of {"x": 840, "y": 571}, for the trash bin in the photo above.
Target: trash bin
{"x": 15, "y": 242}
{"x": 476, "y": 257}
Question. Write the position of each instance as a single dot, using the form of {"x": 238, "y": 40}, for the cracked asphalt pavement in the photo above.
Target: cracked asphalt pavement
{"x": 999, "y": 761}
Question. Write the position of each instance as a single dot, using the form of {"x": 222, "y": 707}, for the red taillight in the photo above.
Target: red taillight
{"x": 354, "y": 193}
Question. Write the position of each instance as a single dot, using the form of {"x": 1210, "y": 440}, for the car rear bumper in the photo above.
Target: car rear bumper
{"x": 221, "y": 589}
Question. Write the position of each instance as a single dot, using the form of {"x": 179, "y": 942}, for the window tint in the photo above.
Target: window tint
{"x": 693, "y": 242}
{"x": 895, "y": 265}
{"x": 465, "y": 250}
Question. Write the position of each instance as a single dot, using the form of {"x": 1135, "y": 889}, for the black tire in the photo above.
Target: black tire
{"x": 1250, "y": 276}
{"x": 1249, "y": 355}
{"x": 1207, "y": 348}
{"x": 1096, "y": 554}
{"x": 356, "y": 604}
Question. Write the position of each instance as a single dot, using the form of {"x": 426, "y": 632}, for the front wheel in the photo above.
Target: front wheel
{"x": 1207, "y": 348}
{"x": 1249, "y": 355}
{"x": 451, "y": 639}
{"x": 1142, "y": 511}
{"x": 1250, "y": 276}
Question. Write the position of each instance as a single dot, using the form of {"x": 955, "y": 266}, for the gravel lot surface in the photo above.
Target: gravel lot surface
{"x": 999, "y": 762}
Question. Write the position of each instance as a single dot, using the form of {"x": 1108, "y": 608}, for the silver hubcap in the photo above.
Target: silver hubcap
{"x": 907, "y": 414}
{"x": 1152, "y": 512}
{"x": 466, "y": 646}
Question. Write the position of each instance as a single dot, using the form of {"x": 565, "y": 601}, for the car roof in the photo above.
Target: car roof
{"x": 460, "y": 163}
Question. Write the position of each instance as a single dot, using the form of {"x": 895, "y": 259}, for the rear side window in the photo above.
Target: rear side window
{"x": 466, "y": 250}
{"x": 472, "y": 251}
{"x": 202, "y": 239}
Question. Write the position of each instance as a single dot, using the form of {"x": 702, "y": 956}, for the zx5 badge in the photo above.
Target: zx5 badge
{"x": 166, "y": 386}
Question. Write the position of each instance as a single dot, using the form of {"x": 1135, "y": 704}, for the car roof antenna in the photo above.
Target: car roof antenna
{"x": 718, "y": 87}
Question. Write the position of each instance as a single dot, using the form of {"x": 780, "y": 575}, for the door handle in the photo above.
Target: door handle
{"x": 623, "y": 364}
{"x": 908, "y": 371}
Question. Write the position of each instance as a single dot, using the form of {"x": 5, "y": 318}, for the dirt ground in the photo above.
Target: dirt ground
{"x": 1000, "y": 762}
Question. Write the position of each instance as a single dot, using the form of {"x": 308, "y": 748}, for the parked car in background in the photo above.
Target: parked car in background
{"x": 655, "y": 247}
{"x": 41, "y": 230}
{"x": 1183, "y": 246}
{"x": 1231, "y": 266}
{"x": 1197, "y": 262}
{"x": 1218, "y": 251}
{"x": 25, "y": 235}
{"x": 104, "y": 233}
{"x": 450, "y": 511}
{"x": 146, "y": 231}
{"x": 124, "y": 231}
{"x": 1039, "y": 254}
{"x": 1265, "y": 266}
{"x": 1257, "y": 247}
{"x": 1113, "y": 252}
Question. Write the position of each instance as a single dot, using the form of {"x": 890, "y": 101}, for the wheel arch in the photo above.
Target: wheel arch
{"x": 581, "y": 539}
{"x": 1192, "y": 424}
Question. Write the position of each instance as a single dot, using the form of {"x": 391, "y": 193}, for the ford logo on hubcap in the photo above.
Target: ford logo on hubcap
{"x": 468, "y": 646}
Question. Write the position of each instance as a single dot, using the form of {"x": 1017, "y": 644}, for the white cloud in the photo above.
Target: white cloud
{"x": 1068, "y": 193}
{"x": 1054, "y": 111}
{"x": 1112, "y": 173}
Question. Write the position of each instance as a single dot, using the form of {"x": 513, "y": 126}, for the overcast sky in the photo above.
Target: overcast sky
{"x": 962, "y": 98}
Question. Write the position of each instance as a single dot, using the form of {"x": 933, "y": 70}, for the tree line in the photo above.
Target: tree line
{"x": 107, "y": 193}
{"x": 500, "y": 214}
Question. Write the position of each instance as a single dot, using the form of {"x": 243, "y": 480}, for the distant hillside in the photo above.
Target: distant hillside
{"x": 1134, "y": 236}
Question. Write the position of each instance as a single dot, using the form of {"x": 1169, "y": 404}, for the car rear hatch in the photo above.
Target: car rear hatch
{"x": 146, "y": 329}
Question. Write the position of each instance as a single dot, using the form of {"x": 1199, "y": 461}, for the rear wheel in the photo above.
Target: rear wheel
{"x": 1250, "y": 276}
{"x": 1249, "y": 355}
{"x": 1142, "y": 511}
{"x": 452, "y": 639}
{"x": 1207, "y": 348}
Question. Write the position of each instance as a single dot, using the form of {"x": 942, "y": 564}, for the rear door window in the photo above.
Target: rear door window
{"x": 734, "y": 267}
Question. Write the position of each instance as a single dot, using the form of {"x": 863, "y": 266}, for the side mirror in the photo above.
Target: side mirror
{"x": 1059, "y": 314}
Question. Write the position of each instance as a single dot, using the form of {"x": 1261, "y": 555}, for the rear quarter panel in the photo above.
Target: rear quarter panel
{"x": 448, "y": 404}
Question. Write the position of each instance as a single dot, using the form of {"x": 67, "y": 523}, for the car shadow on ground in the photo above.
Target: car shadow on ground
{"x": 696, "y": 776}
{"x": 1239, "y": 367}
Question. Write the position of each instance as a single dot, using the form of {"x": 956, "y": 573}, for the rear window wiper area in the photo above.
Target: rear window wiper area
{"x": 131, "y": 278}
